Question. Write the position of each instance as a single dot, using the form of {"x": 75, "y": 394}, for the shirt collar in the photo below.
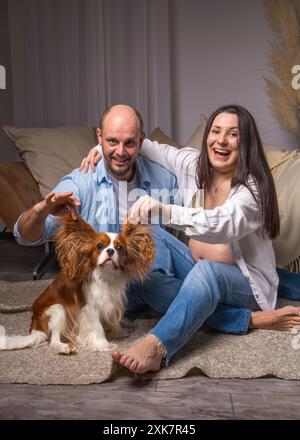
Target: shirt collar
{"x": 142, "y": 175}
{"x": 102, "y": 173}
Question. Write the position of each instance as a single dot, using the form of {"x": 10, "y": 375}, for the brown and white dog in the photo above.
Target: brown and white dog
{"x": 87, "y": 299}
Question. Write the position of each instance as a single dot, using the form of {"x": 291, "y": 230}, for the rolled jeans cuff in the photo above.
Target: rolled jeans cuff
{"x": 245, "y": 321}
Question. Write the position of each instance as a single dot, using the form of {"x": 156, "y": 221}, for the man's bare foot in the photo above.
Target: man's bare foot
{"x": 284, "y": 319}
{"x": 144, "y": 355}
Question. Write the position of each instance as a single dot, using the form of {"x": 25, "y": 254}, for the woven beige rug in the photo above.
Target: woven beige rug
{"x": 259, "y": 353}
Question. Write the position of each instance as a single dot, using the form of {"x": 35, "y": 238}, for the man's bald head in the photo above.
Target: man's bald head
{"x": 121, "y": 136}
{"x": 123, "y": 113}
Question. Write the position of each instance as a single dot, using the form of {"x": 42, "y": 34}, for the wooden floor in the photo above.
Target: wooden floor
{"x": 192, "y": 398}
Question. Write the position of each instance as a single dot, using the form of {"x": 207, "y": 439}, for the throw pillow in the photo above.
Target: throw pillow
{"x": 286, "y": 173}
{"x": 159, "y": 136}
{"x": 196, "y": 138}
{"x": 51, "y": 153}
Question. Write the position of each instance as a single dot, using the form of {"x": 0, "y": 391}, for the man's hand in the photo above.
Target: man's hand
{"x": 90, "y": 160}
{"x": 31, "y": 223}
{"x": 54, "y": 203}
{"x": 145, "y": 207}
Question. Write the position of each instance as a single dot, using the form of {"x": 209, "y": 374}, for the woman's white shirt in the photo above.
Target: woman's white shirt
{"x": 237, "y": 222}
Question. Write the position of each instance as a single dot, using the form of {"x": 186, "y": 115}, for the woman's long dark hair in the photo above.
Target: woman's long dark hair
{"x": 251, "y": 162}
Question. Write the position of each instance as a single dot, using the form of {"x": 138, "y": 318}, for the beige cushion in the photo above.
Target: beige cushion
{"x": 196, "y": 138}
{"x": 285, "y": 167}
{"x": 194, "y": 141}
{"x": 20, "y": 191}
{"x": 51, "y": 153}
{"x": 277, "y": 160}
{"x": 159, "y": 136}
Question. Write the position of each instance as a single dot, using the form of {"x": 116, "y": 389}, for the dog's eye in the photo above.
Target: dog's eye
{"x": 119, "y": 247}
{"x": 100, "y": 246}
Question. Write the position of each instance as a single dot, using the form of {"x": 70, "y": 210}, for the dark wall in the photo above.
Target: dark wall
{"x": 7, "y": 151}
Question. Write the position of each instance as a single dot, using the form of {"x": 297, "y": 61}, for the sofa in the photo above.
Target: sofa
{"x": 47, "y": 154}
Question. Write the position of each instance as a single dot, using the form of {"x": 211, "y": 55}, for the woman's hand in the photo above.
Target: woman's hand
{"x": 145, "y": 207}
{"x": 90, "y": 160}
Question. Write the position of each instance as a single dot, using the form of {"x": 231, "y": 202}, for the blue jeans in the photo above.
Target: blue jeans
{"x": 173, "y": 263}
{"x": 208, "y": 284}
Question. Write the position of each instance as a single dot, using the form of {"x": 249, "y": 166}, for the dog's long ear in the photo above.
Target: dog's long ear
{"x": 140, "y": 249}
{"x": 73, "y": 241}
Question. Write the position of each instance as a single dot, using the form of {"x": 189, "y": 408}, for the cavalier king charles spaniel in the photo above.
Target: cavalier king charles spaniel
{"x": 86, "y": 301}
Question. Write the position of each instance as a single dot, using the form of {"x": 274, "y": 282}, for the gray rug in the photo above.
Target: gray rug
{"x": 259, "y": 353}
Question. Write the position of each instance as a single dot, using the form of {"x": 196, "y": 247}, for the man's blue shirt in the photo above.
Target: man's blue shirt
{"x": 98, "y": 201}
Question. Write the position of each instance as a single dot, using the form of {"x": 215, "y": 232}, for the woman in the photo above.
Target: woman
{"x": 230, "y": 232}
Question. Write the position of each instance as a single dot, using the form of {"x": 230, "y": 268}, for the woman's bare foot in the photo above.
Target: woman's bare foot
{"x": 144, "y": 355}
{"x": 284, "y": 319}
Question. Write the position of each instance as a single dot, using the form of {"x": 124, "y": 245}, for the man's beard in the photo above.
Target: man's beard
{"x": 120, "y": 172}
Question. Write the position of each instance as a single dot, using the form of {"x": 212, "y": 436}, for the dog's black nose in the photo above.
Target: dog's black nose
{"x": 110, "y": 252}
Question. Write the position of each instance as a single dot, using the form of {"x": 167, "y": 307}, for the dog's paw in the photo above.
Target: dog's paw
{"x": 61, "y": 348}
{"x": 73, "y": 349}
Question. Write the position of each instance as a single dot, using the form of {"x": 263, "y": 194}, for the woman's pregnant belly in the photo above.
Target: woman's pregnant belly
{"x": 216, "y": 252}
